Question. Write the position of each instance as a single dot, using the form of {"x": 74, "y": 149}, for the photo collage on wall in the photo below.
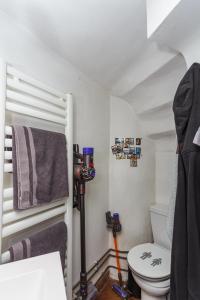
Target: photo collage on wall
{"x": 128, "y": 148}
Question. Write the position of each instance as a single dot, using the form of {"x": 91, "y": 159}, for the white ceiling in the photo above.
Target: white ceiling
{"x": 100, "y": 37}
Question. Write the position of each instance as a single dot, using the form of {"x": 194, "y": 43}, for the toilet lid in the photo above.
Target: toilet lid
{"x": 150, "y": 261}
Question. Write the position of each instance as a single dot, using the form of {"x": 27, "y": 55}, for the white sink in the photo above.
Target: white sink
{"x": 37, "y": 278}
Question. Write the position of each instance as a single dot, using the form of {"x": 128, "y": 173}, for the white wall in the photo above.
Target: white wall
{"x": 131, "y": 189}
{"x": 23, "y": 50}
{"x": 165, "y": 162}
{"x": 152, "y": 101}
{"x": 190, "y": 47}
{"x": 157, "y": 11}
{"x": 185, "y": 41}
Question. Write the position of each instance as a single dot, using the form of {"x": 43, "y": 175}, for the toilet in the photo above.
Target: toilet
{"x": 150, "y": 262}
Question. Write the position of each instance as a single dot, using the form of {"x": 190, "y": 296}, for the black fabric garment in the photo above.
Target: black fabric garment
{"x": 185, "y": 264}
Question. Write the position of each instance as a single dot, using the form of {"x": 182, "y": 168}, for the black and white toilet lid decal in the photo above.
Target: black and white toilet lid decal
{"x": 150, "y": 261}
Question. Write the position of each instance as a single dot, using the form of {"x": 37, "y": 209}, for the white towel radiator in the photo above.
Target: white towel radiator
{"x": 26, "y": 96}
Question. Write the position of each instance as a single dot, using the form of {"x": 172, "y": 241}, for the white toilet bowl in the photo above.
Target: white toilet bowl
{"x": 150, "y": 266}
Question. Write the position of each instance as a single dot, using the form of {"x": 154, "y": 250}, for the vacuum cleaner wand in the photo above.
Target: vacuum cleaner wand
{"x": 113, "y": 223}
{"x": 83, "y": 172}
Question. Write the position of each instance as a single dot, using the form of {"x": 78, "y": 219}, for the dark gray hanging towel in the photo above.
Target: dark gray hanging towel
{"x": 185, "y": 263}
{"x": 46, "y": 241}
{"x": 40, "y": 172}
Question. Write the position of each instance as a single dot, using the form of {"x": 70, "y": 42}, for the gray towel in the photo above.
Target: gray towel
{"x": 40, "y": 172}
{"x": 52, "y": 239}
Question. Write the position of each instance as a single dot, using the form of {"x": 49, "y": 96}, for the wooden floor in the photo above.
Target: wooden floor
{"x": 108, "y": 294}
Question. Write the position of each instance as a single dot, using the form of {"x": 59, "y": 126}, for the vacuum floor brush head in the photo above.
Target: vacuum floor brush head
{"x": 120, "y": 291}
{"x": 92, "y": 291}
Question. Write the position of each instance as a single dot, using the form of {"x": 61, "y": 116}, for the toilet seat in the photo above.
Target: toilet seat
{"x": 150, "y": 262}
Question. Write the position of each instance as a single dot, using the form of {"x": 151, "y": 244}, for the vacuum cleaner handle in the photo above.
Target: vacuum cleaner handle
{"x": 109, "y": 219}
{"x": 113, "y": 222}
{"x": 83, "y": 164}
{"x": 88, "y": 170}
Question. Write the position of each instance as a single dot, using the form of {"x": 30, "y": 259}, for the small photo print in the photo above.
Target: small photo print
{"x": 119, "y": 148}
{"x": 120, "y": 156}
{"x": 134, "y": 156}
{"x": 132, "y": 150}
{"x": 123, "y": 156}
{"x": 131, "y": 141}
{"x": 119, "y": 140}
{"x": 127, "y": 141}
{"x": 138, "y": 141}
{"x": 138, "y": 152}
{"x": 133, "y": 162}
{"x": 126, "y": 150}
{"x": 114, "y": 149}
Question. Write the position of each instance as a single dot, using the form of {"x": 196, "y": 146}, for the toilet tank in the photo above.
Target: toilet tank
{"x": 159, "y": 214}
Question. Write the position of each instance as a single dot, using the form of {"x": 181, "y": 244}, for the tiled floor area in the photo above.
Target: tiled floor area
{"x": 108, "y": 294}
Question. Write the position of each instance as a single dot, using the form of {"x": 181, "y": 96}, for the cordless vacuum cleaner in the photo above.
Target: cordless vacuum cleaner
{"x": 84, "y": 171}
{"x": 113, "y": 223}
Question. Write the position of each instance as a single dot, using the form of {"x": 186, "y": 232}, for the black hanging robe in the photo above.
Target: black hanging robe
{"x": 185, "y": 265}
